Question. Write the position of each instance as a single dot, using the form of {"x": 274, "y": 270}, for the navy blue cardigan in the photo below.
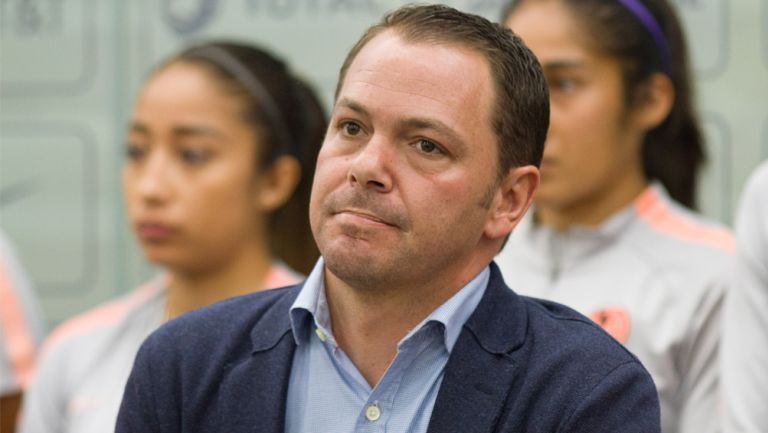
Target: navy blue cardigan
{"x": 520, "y": 365}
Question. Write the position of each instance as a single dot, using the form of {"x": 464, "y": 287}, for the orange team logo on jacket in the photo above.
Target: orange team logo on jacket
{"x": 614, "y": 321}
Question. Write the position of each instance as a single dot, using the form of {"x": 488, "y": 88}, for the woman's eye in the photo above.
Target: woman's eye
{"x": 351, "y": 129}
{"x": 134, "y": 152}
{"x": 429, "y": 147}
{"x": 194, "y": 156}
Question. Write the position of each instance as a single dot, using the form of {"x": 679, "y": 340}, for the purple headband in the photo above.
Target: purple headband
{"x": 652, "y": 26}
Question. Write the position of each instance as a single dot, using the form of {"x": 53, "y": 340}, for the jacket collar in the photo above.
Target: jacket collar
{"x": 274, "y": 322}
{"x": 481, "y": 369}
{"x": 499, "y": 322}
{"x": 477, "y": 380}
{"x": 253, "y": 392}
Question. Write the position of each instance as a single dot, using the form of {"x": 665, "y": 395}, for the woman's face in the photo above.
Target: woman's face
{"x": 592, "y": 145}
{"x": 188, "y": 180}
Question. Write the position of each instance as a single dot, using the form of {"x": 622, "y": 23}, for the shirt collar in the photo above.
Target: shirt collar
{"x": 456, "y": 310}
{"x": 307, "y": 305}
{"x": 311, "y": 306}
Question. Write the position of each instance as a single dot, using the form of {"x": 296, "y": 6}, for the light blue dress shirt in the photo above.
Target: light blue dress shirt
{"x": 327, "y": 393}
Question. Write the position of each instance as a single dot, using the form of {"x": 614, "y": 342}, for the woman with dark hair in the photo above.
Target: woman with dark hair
{"x": 613, "y": 234}
{"x": 221, "y": 151}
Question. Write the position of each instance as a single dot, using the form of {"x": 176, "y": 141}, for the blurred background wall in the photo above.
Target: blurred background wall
{"x": 69, "y": 70}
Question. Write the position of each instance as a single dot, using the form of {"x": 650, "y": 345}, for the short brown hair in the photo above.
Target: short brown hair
{"x": 521, "y": 107}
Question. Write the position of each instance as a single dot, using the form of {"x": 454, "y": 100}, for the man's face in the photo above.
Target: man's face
{"x": 407, "y": 171}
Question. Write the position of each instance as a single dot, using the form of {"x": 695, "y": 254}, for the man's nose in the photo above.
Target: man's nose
{"x": 372, "y": 166}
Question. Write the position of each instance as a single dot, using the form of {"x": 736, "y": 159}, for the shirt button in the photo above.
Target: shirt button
{"x": 320, "y": 335}
{"x": 372, "y": 412}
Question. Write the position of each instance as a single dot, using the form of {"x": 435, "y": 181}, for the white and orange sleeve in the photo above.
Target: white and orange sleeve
{"x": 21, "y": 325}
{"x": 744, "y": 366}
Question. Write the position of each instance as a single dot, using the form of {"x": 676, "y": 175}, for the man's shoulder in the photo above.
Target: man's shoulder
{"x": 567, "y": 331}
{"x": 541, "y": 327}
{"x": 230, "y": 349}
{"x": 225, "y": 328}
{"x": 547, "y": 366}
{"x": 541, "y": 334}
{"x": 250, "y": 305}
{"x": 579, "y": 372}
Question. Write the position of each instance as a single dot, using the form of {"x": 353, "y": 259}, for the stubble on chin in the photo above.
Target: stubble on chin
{"x": 364, "y": 270}
{"x": 350, "y": 252}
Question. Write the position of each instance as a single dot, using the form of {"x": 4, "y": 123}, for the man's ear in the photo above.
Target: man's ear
{"x": 513, "y": 198}
{"x": 654, "y": 102}
{"x": 276, "y": 184}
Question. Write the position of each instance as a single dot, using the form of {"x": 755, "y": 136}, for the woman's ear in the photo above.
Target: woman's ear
{"x": 277, "y": 183}
{"x": 654, "y": 102}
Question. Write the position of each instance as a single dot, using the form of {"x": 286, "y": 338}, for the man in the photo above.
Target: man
{"x": 405, "y": 325}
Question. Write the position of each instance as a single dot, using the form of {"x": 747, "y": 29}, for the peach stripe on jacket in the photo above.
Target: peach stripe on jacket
{"x": 105, "y": 315}
{"x": 115, "y": 311}
{"x": 18, "y": 337}
{"x": 659, "y": 215}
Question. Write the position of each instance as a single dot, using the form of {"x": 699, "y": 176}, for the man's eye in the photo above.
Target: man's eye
{"x": 564, "y": 84}
{"x": 351, "y": 128}
{"x": 427, "y": 146}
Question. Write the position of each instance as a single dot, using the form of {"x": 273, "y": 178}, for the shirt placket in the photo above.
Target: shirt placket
{"x": 379, "y": 406}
